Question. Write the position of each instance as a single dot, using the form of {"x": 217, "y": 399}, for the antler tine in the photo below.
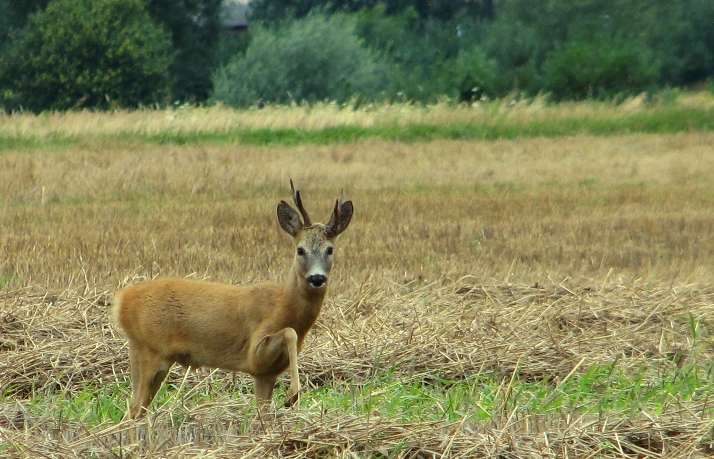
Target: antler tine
{"x": 298, "y": 203}
{"x": 331, "y": 226}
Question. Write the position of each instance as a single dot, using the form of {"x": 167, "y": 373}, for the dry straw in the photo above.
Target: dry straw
{"x": 63, "y": 344}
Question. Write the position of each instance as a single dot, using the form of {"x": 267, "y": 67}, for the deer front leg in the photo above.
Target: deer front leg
{"x": 294, "y": 390}
{"x": 263, "y": 388}
{"x": 270, "y": 355}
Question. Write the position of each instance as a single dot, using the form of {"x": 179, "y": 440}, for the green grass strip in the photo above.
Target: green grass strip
{"x": 660, "y": 120}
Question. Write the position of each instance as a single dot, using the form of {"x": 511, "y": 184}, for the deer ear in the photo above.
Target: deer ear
{"x": 340, "y": 218}
{"x": 289, "y": 219}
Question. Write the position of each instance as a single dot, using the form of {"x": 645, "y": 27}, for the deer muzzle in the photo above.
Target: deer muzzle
{"x": 317, "y": 280}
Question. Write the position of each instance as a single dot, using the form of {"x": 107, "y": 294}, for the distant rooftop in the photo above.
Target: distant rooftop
{"x": 234, "y": 14}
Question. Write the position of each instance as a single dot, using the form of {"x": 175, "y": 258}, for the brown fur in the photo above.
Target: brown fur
{"x": 257, "y": 329}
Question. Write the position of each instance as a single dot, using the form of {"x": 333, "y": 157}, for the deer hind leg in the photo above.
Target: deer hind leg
{"x": 271, "y": 350}
{"x": 148, "y": 371}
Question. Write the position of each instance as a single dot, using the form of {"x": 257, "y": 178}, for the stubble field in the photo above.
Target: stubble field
{"x": 525, "y": 297}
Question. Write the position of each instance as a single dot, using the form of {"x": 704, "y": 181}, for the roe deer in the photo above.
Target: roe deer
{"x": 257, "y": 329}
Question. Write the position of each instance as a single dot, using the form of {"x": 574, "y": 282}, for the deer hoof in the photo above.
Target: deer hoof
{"x": 291, "y": 400}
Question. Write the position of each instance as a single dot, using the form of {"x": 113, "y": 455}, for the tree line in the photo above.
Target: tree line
{"x": 104, "y": 54}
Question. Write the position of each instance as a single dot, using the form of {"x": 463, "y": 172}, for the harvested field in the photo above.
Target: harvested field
{"x": 509, "y": 334}
{"x": 522, "y": 298}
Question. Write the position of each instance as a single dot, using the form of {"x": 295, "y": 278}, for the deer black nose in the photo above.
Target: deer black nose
{"x": 317, "y": 280}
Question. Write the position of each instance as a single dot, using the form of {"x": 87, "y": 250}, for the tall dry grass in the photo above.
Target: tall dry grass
{"x": 218, "y": 119}
{"x": 529, "y": 259}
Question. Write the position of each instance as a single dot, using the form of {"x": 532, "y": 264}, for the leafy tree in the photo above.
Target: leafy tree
{"x": 195, "y": 28}
{"x": 475, "y": 75}
{"x": 442, "y": 9}
{"x": 310, "y": 59}
{"x": 194, "y": 25}
{"x": 519, "y": 51}
{"x": 5, "y": 11}
{"x": 13, "y": 14}
{"x": 600, "y": 68}
{"x": 87, "y": 53}
{"x": 272, "y": 11}
{"x": 682, "y": 33}
{"x": 677, "y": 38}
{"x": 422, "y": 53}
{"x": 16, "y": 12}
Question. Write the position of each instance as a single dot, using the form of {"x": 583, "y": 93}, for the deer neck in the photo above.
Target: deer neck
{"x": 306, "y": 302}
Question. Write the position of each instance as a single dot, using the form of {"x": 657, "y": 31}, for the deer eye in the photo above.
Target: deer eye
{"x": 301, "y": 251}
{"x": 330, "y": 250}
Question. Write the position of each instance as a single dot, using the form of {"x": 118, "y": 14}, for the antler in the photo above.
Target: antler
{"x": 339, "y": 220}
{"x": 298, "y": 203}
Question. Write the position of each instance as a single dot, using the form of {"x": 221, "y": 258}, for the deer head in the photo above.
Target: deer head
{"x": 314, "y": 243}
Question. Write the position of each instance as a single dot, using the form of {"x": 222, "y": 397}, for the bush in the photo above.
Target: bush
{"x": 310, "y": 59}
{"x": 87, "y": 53}
{"x": 475, "y": 75}
{"x": 600, "y": 69}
